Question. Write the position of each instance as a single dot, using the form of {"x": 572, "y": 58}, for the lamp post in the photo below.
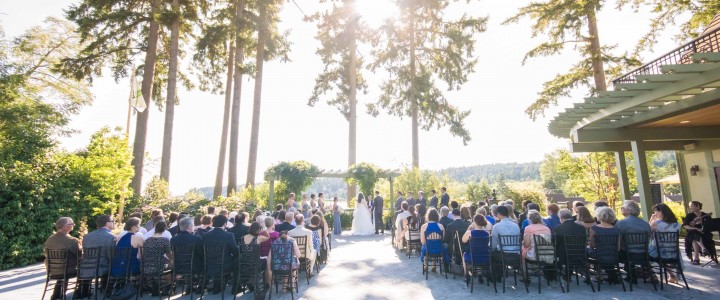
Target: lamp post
{"x": 136, "y": 102}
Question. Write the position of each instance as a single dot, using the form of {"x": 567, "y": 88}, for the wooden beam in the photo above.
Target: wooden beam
{"x": 625, "y": 146}
{"x": 645, "y": 134}
{"x": 672, "y": 109}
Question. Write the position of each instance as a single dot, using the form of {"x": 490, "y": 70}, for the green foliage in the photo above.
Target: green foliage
{"x": 553, "y": 178}
{"x": 366, "y": 176}
{"x": 296, "y": 175}
{"x": 564, "y": 24}
{"x": 519, "y": 192}
{"x": 346, "y": 219}
{"x": 414, "y": 180}
{"x": 421, "y": 47}
{"x": 491, "y": 172}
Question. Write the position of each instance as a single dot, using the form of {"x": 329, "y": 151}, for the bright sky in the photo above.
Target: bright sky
{"x": 497, "y": 94}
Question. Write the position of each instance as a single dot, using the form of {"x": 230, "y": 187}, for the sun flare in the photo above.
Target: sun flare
{"x": 375, "y": 12}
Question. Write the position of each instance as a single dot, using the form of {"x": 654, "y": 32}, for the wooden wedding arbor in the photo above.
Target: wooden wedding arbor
{"x": 382, "y": 173}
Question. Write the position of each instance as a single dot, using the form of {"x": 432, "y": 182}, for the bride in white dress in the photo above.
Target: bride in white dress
{"x": 362, "y": 220}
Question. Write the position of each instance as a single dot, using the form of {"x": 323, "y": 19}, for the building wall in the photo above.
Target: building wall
{"x": 703, "y": 186}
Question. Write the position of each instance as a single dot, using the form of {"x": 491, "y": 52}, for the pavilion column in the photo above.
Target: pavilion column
{"x": 643, "y": 178}
{"x": 392, "y": 194}
{"x": 621, "y": 166}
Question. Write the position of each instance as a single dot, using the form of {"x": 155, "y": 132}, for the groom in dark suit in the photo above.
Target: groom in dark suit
{"x": 378, "y": 212}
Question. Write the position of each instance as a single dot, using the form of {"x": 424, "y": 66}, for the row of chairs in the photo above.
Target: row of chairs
{"x": 249, "y": 272}
{"x": 604, "y": 259}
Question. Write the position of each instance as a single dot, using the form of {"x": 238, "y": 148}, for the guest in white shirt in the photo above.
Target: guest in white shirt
{"x": 300, "y": 230}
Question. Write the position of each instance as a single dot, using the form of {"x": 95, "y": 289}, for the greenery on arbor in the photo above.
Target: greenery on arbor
{"x": 574, "y": 24}
{"x": 421, "y": 48}
{"x": 295, "y": 175}
{"x": 366, "y": 176}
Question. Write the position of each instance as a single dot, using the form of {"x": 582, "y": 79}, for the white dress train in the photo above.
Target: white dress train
{"x": 362, "y": 220}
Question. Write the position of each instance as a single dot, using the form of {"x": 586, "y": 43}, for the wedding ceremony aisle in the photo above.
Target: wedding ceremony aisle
{"x": 368, "y": 267}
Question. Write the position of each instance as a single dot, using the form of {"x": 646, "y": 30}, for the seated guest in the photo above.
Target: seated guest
{"x": 172, "y": 219}
{"x": 310, "y": 253}
{"x": 512, "y": 213}
{"x": 523, "y": 215}
{"x": 151, "y": 224}
{"x": 102, "y": 238}
{"x": 411, "y": 222}
{"x": 270, "y": 233}
{"x": 142, "y": 230}
{"x": 606, "y": 216}
{"x": 552, "y": 220}
{"x": 156, "y": 251}
{"x": 131, "y": 239}
{"x": 316, "y": 227}
{"x": 453, "y": 206}
{"x": 218, "y": 235}
{"x": 240, "y": 228}
{"x": 421, "y": 212}
{"x": 205, "y": 225}
{"x": 445, "y": 219}
{"x": 567, "y": 227}
{"x": 279, "y": 218}
{"x": 575, "y": 206}
{"x": 492, "y": 212}
{"x": 62, "y": 240}
{"x": 150, "y": 233}
{"x": 631, "y": 224}
{"x": 663, "y": 220}
{"x": 286, "y": 225}
{"x": 324, "y": 224}
{"x": 459, "y": 226}
{"x": 175, "y": 229}
{"x": 526, "y": 222}
{"x": 280, "y": 258}
{"x": 599, "y": 204}
{"x": 253, "y": 237}
{"x": 504, "y": 226}
{"x": 479, "y": 228}
{"x": 697, "y": 243}
{"x": 536, "y": 227}
{"x": 515, "y": 213}
{"x": 433, "y": 231}
{"x": 400, "y": 230}
{"x": 185, "y": 237}
{"x": 583, "y": 217}
{"x": 278, "y": 209}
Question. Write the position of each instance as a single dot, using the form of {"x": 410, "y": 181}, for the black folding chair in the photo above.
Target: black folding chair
{"x": 215, "y": 261}
{"x": 413, "y": 242}
{"x": 58, "y": 270}
{"x": 510, "y": 260}
{"x": 433, "y": 254}
{"x": 575, "y": 259}
{"x": 89, "y": 270}
{"x": 282, "y": 269}
{"x": 479, "y": 250}
{"x": 250, "y": 271}
{"x": 302, "y": 243}
{"x": 545, "y": 257}
{"x": 636, "y": 254}
{"x": 668, "y": 256}
{"x": 184, "y": 269}
{"x": 121, "y": 267}
{"x": 152, "y": 277}
{"x": 605, "y": 258}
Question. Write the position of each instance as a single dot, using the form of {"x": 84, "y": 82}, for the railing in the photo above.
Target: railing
{"x": 709, "y": 42}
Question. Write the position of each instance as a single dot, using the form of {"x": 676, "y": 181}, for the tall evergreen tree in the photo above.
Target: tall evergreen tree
{"x": 116, "y": 31}
{"x": 339, "y": 31}
{"x": 420, "y": 48}
{"x": 567, "y": 22}
{"x": 271, "y": 44}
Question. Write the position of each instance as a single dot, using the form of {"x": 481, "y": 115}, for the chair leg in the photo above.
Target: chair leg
{"x": 621, "y": 280}
{"x": 47, "y": 281}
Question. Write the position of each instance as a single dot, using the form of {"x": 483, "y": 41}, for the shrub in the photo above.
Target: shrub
{"x": 345, "y": 220}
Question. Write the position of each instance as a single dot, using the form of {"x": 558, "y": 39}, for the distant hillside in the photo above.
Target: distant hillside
{"x": 511, "y": 171}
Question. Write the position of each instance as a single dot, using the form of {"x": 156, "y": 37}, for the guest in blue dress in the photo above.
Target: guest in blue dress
{"x": 132, "y": 241}
{"x": 337, "y": 221}
{"x": 431, "y": 237}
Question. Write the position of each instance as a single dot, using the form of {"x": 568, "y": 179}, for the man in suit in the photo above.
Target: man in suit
{"x": 378, "y": 213}
{"x": 566, "y": 227}
{"x": 175, "y": 229}
{"x": 444, "y": 219}
{"x": 300, "y": 230}
{"x": 399, "y": 201}
{"x": 445, "y": 198}
{"x": 422, "y": 200}
{"x": 240, "y": 228}
{"x": 218, "y": 235}
{"x": 434, "y": 199}
{"x": 523, "y": 216}
{"x": 102, "y": 238}
{"x": 411, "y": 199}
{"x": 62, "y": 240}
{"x": 185, "y": 237}
{"x": 286, "y": 226}
{"x": 460, "y": 226}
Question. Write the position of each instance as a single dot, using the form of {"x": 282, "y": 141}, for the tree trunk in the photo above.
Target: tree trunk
{"x": 595, "y": 52}
{"x": 147, "y": 86}
{"x": 413, "y": 96}
{"x": 226, "y": 120}
{"x": 257, "y": 99}
{"x": 235, "y": 112}
{"x": 352, "y": 101}
{"x": 171, "y": 94}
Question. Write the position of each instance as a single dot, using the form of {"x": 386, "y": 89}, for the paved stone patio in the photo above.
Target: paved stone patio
{"x": 370, "y": 268}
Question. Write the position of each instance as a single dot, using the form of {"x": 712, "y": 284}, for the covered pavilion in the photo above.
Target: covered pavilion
{"x": 670, "y": 103}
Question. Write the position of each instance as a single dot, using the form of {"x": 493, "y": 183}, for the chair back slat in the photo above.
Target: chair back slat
{"x": 668, "y": 246}
{"x": 281, "y": 256}
{"x": 249, "y": 262}
{"x": 544, "y": 248}
{"x": 606, "y": 248}
{"x": 57, "y": 262}
{"x": 183, "y": 259}
{"x": 479, "y": 249}
{"x": 89, "y": 263}
{"x": 214, "y": 257}
{"x": 636, "y": 242}
{"x": 575, "y": 246}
